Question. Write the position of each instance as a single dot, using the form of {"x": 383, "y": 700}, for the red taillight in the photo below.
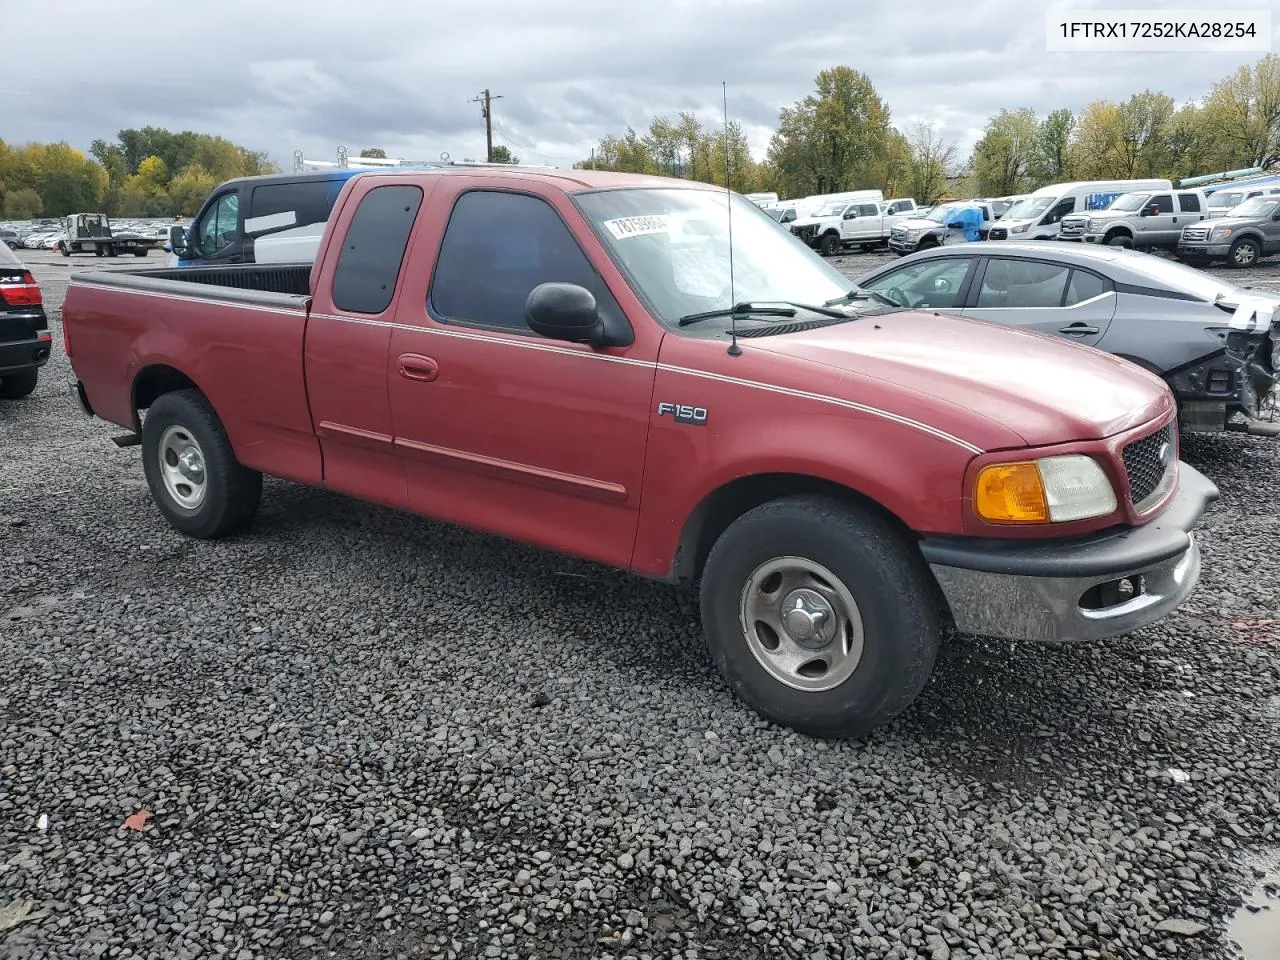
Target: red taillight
{"x": 23, "y": 293}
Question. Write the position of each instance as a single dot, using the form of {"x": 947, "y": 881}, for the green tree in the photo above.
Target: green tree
{"x": 22, "y": 204}
{"x": 111, "y": 157}
{"x": 501, "y": 154}
{"x": 189, "y": 189}
{"x": 1002, "y": 156}
{"x": 1191, "y": 147}
{"x": 1097, "y": 143}
{"x": 833, "y": 139}
{"x": 69, "y": 181}
{"x": 1243, "y": 112}
{"x": 1050, "y": 160}
{"x": 928, "y": 161}
{"x": 376, "y": 153}
{"x": 1145, "y": 120}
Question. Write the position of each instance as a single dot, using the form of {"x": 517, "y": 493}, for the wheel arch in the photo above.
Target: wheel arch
{"x": 726, "y": 503}
{"x": 154, "y": 381}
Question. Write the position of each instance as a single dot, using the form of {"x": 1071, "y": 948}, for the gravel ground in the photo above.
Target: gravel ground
{"x": 361, "y": 734}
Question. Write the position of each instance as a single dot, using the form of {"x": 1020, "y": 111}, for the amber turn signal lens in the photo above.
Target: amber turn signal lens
{"x": 1011, "y": 493}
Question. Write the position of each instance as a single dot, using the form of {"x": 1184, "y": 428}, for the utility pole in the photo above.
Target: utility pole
{"x": 487, "y": 112}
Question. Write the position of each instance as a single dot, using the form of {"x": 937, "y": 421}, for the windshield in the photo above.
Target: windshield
{"x": 1257, "y": 207}
{"x": 1029, "y": 208}
{"x": 938, "y": 214}
{"x": 1225, "y": 201}
{"x": 673, "y": 245}
{"x": 830, "y": 210}
{"x": 1130, "y": 201}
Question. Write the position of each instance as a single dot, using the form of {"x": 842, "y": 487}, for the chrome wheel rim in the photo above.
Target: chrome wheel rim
{"x": 182, "y": 467}
{"x": 801, "y": 624}
{"x": 1244, "y": 254}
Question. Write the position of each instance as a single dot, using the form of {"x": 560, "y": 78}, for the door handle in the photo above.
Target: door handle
{"x": 414, "y": 366}
{"x": 1078, "y": 329}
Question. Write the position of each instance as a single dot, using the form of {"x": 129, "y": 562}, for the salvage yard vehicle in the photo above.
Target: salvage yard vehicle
{"x": 91, "y": 233}
{"x": 1217, "y": 345}
{"x": 25, "y": 340}
{"x": 865, "y": 224}
{"x": 1061, "y": 210}
{"x": 1251, "y": 231}
{"x": 942, "y": 225}
{"x": 565, "y": 359}
{"x": 1146, "y": 220}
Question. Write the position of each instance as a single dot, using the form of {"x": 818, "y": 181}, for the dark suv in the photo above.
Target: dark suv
{"x": 25, "y": 340}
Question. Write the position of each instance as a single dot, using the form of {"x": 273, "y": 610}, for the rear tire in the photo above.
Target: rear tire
{"x": 195, "y": 479}
{"x": 1244, "y": 253}
{"x": 867, "y": 587}
{"x": 15, "y": 386}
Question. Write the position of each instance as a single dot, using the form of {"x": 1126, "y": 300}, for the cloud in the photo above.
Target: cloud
{"x": 311, "y": 75}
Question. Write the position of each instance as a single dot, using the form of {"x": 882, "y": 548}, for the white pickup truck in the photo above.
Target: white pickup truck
{"x": 865, "y": 224}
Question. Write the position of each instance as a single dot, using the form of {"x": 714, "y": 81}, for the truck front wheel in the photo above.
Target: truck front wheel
{"x": 1244, "y": 253}
{"x": 829, "y": 245}
{"x": 1120, "y": 240}
{"x": 820, "y": 615}
{"x": 194, "y": 476}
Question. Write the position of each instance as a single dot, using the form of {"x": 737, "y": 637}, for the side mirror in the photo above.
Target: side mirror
{"x": 177, "y": 241}
{"x": 851, "y": 215}
{"x": 1276, "y": 215}
{"x": 566, "y": 311}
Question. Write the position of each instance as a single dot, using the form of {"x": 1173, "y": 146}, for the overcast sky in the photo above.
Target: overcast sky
{"x": 309, "y": 75}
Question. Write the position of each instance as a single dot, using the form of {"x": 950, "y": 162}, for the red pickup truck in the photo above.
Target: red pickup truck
{"x": 571, "y": 360}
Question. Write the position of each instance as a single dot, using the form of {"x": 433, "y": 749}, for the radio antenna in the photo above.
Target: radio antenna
{"x": 734, "y": 349}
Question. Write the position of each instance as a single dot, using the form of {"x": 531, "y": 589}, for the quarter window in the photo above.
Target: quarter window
{"x": 1022, "y": 283}
{"x": 373, "y": 251}
{"x": 497, "y": 247}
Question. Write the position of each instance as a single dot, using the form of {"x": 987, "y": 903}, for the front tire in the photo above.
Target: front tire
{"x": 15, "y": 386}
{"x": 820, "y": 615}
{"x": 829, "y": 246}
{"x": 1244, "y": 253}
{"x": 1120, "y": 240}
{"x": 195, "y": 479}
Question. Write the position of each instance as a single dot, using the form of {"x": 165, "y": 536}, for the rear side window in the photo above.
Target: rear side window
{"x": 1164, "y": 202}
{"x": 1085, "y": 286}
{"x": 311, "y": 200}
{"x": 1022, "y": 283}
{"x": 373, "y": 249}
{"x": 1189, "y": 202}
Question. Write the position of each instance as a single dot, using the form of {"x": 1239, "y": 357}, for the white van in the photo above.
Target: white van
{"x": 1039, "y": 216}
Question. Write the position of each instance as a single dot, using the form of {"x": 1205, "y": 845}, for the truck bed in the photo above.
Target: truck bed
{"x": 243, "y": 282}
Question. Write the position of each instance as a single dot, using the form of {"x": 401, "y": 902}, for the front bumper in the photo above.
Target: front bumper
{"x": 1203, "y": 249}
{"x": 1066, "y": 591}
{"x": 904, "y": 246}
{"x": 17, "y": 355}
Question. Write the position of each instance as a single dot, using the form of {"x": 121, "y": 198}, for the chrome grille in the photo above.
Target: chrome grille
{"x": 1150, "y": 463}
{"x": 1196, "y": 234}
{"x": 898, "y": 233}
{"x": 1072, "y": 228}
{"x": 998, "y": 233}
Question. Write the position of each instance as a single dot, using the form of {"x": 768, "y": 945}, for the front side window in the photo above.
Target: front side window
{"x": 1022, "y": 283}
{"x": 1164, "y": 202}
{"x": 1061, "y": 210}
{"x": 217, "y": 230}
{"x": 497, "y": 247}
{"x": 934, "y": 283}
{"x": 673, "y": 246}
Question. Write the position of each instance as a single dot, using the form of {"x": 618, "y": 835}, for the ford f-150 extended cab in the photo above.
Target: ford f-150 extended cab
{"x": 566, "y": 359}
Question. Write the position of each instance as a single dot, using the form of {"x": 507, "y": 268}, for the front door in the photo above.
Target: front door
{"x": 862, "y": 222}
{"x": 1052, "y": 298}
{"x": 501, "y": 429}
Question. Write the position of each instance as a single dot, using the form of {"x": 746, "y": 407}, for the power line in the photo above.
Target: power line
{"x": 487, "y": 112}
{"x": 520, "y": 144}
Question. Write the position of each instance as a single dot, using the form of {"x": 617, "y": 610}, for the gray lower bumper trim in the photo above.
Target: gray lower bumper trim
{"x": 1048, "y": 608}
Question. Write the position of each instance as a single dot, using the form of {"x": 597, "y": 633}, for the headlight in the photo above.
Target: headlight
{"x": 914, "y": 232}
{"x": 1221, "y": 233}
{"x": 1021, "y": 229}
{"x": 1096, "y": 225}
{"x": 1047, "y": 490}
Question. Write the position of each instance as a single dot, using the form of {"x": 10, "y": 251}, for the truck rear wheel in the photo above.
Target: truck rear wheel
{"x": 194, "y": 476}
{"x": 15, "y": 386}
{"x": 820, "y": 616}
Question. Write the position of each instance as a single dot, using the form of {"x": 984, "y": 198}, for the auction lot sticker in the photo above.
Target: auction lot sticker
{"x": 638, "y": 226}
{"x": 1158, "y": 31}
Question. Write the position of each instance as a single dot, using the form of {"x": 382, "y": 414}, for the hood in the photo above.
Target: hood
{"x": 917, "y": 223}
{"x": 1225, "y": 221}
{"x": 1113, "y": 214}
{"x": 805, "y": 221}
{"x": 1043, "y": 389}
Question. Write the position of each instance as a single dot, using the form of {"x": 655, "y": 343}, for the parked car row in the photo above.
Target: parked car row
{"x": 45, "y": 234}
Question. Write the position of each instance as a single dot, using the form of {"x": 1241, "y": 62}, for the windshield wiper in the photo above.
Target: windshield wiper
{"x": 772, "y": 308}
{"x": 861, "y": 294}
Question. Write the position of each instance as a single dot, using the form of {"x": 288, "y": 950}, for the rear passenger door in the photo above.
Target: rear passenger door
{"x": 1053, "y": 298}
{"x": 1190, "y": 210}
